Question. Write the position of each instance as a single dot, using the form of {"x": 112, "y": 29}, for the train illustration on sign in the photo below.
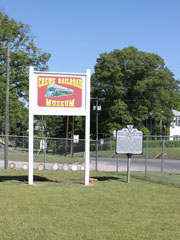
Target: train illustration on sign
{"x": 54, "y": 90}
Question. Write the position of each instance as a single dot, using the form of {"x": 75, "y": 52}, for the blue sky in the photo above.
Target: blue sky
{"x": 76, "y": 32}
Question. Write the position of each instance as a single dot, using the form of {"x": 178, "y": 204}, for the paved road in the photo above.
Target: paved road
{"x": 110, "y": 164}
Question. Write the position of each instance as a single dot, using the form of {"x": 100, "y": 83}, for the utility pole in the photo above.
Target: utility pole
{"x": 7, "y": 107}
{"x": 97, "y": 108}
{"x": 97, "y": 130}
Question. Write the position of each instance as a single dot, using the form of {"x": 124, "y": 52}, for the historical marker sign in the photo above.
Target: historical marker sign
{"x": 129, "y": 141}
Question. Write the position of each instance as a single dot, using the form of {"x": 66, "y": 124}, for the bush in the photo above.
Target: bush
{"x": 109, "y": 145}
{"x": 175, "y": 143}
{"x": 158, "y": 143}
{"x": 145, "y": 130}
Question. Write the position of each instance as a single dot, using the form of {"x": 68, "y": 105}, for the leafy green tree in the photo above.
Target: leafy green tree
{"x": 56, "y": 126}
{"x": 176, "y": 103}
{"x": 23, "y": 53}
{"x": 137, "y": 86}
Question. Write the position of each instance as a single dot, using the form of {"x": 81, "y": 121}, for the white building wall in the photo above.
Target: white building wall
{"x": 175, "y": 126}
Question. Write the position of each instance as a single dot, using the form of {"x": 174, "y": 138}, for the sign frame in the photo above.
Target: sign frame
{"x": 129, "y": 131}
{"x": 83, "y": 110}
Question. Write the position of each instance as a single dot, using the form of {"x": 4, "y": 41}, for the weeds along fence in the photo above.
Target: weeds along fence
{"x": 156, "y": 149}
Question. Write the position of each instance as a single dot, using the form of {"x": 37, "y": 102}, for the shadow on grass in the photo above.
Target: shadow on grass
{"x": 24, "y": 179}
{"x": 109, "y": 178}
{"x": 14, "y": 178}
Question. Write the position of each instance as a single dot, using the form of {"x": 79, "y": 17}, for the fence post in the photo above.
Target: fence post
{"x": 146, "y": 159}
{"x": 117, "y": 164}
{"x": 23, "y": 142}
{"x": 162, "y": 160}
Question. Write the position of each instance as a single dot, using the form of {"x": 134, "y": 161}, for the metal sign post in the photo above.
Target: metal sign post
{"x": 162, "y": 159}
{"x": 129, "y": 141}
{"x": 128, "y": 167}
{"x": 117, "y": 164}
{"x": 146, "y": 159}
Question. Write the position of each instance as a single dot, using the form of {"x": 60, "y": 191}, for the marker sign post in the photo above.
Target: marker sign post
{"x": 129, "y": 141}
{"x": 66, "y": 94}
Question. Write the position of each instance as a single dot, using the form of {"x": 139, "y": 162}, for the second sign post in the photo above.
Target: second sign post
{"x": 129, "y": 141}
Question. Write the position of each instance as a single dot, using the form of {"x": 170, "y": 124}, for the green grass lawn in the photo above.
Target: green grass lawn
{"x": 50, "y": 158}
{"x": 59, "y": 206}
{"x": 159, "y": 177}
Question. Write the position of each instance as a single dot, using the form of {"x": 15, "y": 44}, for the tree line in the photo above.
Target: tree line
{"x": 136, "y": 88}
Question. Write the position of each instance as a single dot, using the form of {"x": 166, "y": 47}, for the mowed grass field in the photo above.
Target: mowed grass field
{"x": 59, "y": 206}
{"x": 169, "y": 153}
{"x": 50, "y": 158}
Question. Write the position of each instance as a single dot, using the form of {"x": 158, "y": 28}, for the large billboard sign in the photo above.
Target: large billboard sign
{"x": 59, "y": 93}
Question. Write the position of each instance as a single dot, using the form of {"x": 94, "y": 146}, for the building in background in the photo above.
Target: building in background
{"x": 175, "y": 126}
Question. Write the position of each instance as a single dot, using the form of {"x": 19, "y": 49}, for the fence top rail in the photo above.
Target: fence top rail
{"x": 36, "y": 137}
{"x": 92, "y": 140}
{"x": 158, "y": 136}
{"x": 17, "y": 136}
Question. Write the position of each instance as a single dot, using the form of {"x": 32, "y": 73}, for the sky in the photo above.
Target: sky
{"x": 76, "y": 32}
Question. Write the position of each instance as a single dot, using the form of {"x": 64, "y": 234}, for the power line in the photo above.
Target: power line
{"x": 148, "y": 88}
{"x": 133, "y": 100}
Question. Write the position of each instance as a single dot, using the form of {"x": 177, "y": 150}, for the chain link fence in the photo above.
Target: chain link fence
{"x": 160, "y": 161}
{"x": 160, "y": 154}
{"x": 67, "y": 154}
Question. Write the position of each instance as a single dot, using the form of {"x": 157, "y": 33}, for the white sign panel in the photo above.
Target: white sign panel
{"x": 76, "y": 138}
{"x": 58, "y": 93}
{"x": 129, "y": 141}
